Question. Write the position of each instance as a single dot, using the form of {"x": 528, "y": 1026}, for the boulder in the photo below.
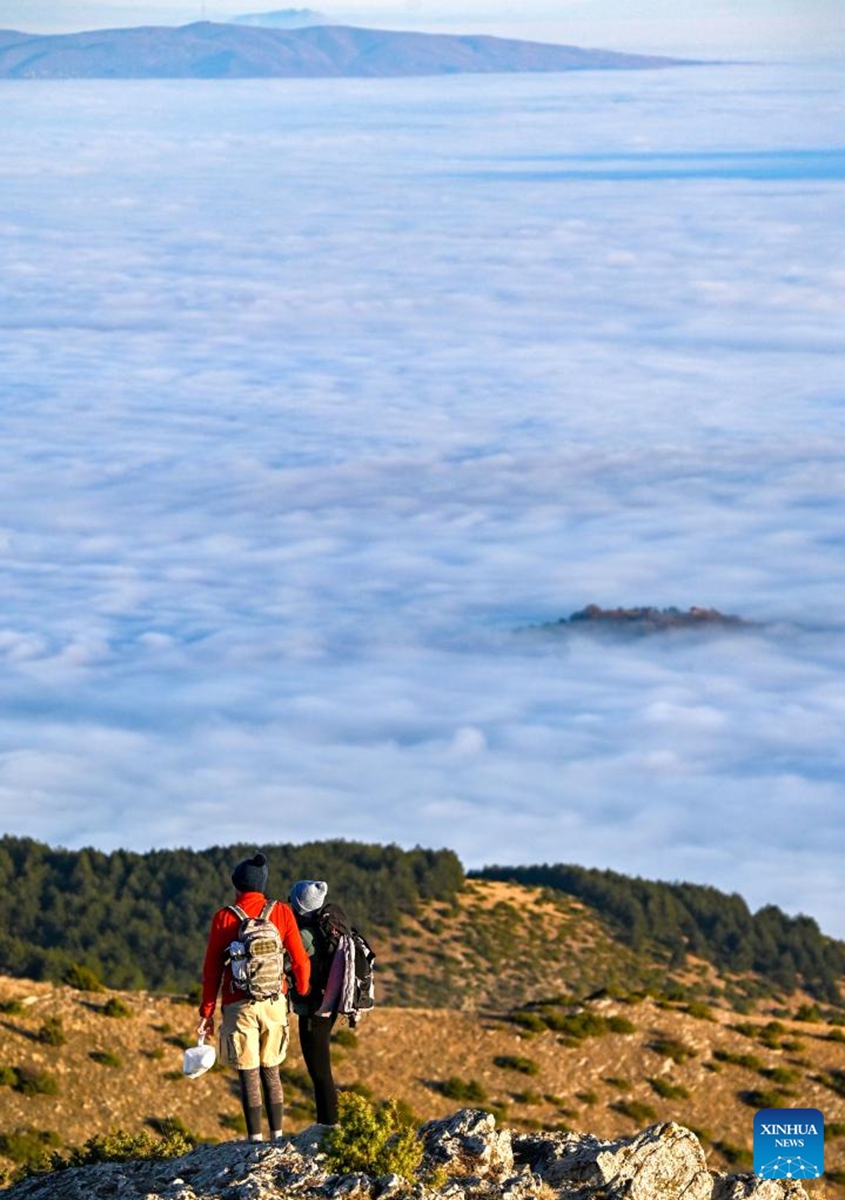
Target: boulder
{"x": 468, "y": 1143}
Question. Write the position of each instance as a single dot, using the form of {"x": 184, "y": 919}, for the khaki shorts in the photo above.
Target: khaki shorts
{"x": 254, "y": 1033}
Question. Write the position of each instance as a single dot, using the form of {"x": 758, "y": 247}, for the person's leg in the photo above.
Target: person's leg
{"x": 251, "y": 1101}
{"x": 271, "y": 1086}
{"x": 273, "y": 1019}
{"x": 315, "y": 1039}
{"x": 240, "y": 1048}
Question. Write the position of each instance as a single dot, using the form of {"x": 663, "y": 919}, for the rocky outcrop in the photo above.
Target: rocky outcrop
{"x": 466, "y": 1158}
{"x": 640, "y": 622}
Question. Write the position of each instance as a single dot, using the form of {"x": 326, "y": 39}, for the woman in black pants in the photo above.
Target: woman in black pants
{"x": 320, "y": 924}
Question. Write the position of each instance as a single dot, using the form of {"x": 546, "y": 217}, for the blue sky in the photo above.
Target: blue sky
{"x": 767, "y": 29}
{"x": 318, "y": 394}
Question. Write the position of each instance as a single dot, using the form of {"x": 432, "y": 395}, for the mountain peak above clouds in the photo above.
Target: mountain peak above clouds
{"x": 206, "y": 50}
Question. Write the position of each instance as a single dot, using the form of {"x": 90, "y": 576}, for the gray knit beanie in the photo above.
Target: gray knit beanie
{"x": 251, "y": 874}
{"x": 307, "y": 895}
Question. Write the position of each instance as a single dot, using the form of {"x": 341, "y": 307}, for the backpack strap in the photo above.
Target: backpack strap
{"x": 267, "y": 909}
{"x": 238, "y": 911}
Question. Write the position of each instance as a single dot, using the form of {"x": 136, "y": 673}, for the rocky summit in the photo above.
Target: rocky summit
{"x": 466, "y": 1158}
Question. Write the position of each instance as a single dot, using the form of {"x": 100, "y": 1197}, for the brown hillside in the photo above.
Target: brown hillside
{"x": 585, "y": 1084}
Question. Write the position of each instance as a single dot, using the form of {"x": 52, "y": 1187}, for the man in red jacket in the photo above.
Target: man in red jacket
{"x": 253, "y": 1033}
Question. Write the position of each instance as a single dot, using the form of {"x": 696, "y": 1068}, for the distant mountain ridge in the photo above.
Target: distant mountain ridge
{"x": 206, "y": 50}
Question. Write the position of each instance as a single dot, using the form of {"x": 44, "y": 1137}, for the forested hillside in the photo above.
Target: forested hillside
{"x": 687, "y": 918}
{"x": 141, "y": 920}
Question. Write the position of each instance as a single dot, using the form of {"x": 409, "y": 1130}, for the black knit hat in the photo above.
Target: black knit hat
{"x": 251, "y": 874}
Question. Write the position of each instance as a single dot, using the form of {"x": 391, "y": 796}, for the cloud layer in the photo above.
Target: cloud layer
{"x": 317, "y": 395}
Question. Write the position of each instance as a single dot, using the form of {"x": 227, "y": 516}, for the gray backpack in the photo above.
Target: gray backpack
{"x": 257, "y": 956}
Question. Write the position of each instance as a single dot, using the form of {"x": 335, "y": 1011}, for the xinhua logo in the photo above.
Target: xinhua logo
{"x": 788, "y": 1143}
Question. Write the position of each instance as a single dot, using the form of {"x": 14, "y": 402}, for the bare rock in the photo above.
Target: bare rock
{"x": 750, "y": 1187}
{"x": 469, "y": 1143}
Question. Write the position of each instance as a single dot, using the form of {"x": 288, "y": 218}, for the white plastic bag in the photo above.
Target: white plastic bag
{"x": 198, "y": 1059}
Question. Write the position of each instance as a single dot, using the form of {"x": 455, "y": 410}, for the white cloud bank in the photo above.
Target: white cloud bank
{"x": 315, "y": 394}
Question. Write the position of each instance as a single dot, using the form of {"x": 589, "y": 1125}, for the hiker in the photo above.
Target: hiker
{"x": 245, "y": 953}
{"x": 317, "y": 1012}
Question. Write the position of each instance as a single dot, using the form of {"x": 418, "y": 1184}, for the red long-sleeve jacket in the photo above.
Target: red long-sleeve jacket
{"x": 224, "y": 929}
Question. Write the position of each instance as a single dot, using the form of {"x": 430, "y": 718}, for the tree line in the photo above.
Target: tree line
{"x": 686, "y": 918}
{"x": 141, "y": 920}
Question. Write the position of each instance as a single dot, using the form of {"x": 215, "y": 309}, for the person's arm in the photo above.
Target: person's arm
{"x": 212, "y": 972}
{"x": 292, "y": 941}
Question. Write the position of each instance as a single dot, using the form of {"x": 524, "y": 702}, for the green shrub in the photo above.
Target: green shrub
{"x": 636, "y": 1110}
{"x": 757, "y": 1098}
{"x": 750, "y": 1061}
{"x": 834, "y": 1129}
{"x": 372, "y": 1140}
{"x": 52, "y": 1032}
{"x": 529, "y": 1021}
{"x": 346, "y": 1037}
{"x": 737, "y": 1156}
{"x": 836, "y": 1035}
{"x": 12, "y": 1008}
{"x": 235, "y": 1122}
{"x": 106, "y": 1058}
{"x": 28, "y": 1145}
{"x": 527, "y": 1097}
{"x": 588, "y": 1098}
{"x": 122, "y": 1146}
{"x": 808, "y": 1012}
{"x": 672, "y": 1048}
{"x": 669, "y": 1091}
{"x": 32, "y": 1082}
{"x": 781, "y": 1075}
{"x": 514, "y": 1062}
{"x": 82, "y": 978}
{"x": 463, "y": 1089}
{"x": 616, "y": 1081}
{"x": 115, "y": 1007}
{"x": 697, "y": 1008}
{"x": 168, "y": 1126}
{"x": 621, "y": 1025}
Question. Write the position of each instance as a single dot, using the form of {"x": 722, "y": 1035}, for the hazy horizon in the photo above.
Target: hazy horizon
{"x": 764, "y": 29}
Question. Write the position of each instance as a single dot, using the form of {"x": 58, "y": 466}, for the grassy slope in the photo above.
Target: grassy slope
{"x": 411, "y": 1052}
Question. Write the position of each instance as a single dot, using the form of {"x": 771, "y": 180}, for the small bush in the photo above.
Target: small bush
{"x": 235, "y": 1122}
{"x": 697, "y": 1008}
{"x": 669, "y": 1091}
{"x": 834, "y": 1129}
{"x": 758, "y": 1098}
{"x": 836, "y": 1035}
{"x": 588, "y": 1098}
{"x": 372, "y": 1140}
{"x": 463, "y": 1089}
{"x": 346, "y": 1037}
{"x": 28, "y": 1145}
{"x": 636, "y": 1110}
{"x": 737, "y": 1156}
{"x": 618, "y": 1082}
{"x": 529, "y": 1021}
{"x": 12, "y": 1008}
{"x": 52, "y": 1032}
{"x": 82, "y": 978}
{"x": 621, "y": 1025}
{"x": 31, "y": 1082}
{"x": 781, "y": 1075}
{"x": 750, "y": 1061}
{"x": 115, "y": 1007}
{"x": 121, "y": 1146}
{"x": 106, "y": 1058}
{"x": 514, "y": 1062}
{"x": 808, "y": 1012}
{"x": 529, "y": 1096}
{"x": 168, "y": 1126}
{"x": 672, "y": 1048}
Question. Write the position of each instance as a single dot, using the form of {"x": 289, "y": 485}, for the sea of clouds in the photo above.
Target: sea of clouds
{"x": 318, "y": 395}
